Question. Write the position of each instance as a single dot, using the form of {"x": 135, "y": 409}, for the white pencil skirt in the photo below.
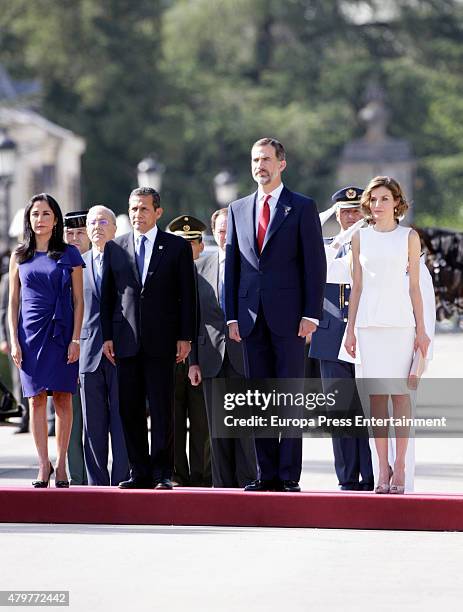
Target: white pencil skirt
{"x": 386, "y": 354}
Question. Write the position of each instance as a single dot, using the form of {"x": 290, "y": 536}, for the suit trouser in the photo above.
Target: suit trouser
{"x": 76, "y": 460}
{"x": 352, "y": 456}
{"x": 234, "y": 461}
{"x": 267, "y": 355}
{"x": 100, "y": 403}
{"x": 189, "y": 404}
{"x": 143, "y": 379}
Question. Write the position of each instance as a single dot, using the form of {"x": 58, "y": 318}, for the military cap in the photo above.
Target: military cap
{"x": 187, "y": 227}
{"x": 75, "y": 219}
{"x": 348, "y": 197}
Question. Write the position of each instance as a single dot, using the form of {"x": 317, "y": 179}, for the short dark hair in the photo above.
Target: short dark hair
{"x": 146, "y": 191}
{"x": 276, "y": 144}
{"x": 216, "y": 215}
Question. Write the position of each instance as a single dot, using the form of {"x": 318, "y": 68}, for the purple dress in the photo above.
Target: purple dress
{"x": 46, "y": 323}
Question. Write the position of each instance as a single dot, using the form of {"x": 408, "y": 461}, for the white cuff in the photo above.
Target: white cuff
{"x": 316, "y": 321}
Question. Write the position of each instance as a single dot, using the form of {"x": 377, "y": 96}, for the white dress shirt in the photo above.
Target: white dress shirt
{"x": 96, "y": 255}
{"x": 149, "y": 243}
{"x": 274, "y": 197}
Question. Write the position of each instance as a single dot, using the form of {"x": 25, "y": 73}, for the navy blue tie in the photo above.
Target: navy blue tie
{"x": 141, "y": 256}
{"x": 98, "y": 270}
{"x": 222, "y": 285}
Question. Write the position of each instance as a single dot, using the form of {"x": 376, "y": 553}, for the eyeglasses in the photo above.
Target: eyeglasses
{"x": 102, "y": 222}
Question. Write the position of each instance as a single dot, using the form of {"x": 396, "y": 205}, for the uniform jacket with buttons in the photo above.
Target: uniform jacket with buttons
{"x": 326, "y": 341}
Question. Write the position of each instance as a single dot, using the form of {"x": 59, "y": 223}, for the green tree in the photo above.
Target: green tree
{"x": 98, "y": 65}
{"x": 198, "y": 81}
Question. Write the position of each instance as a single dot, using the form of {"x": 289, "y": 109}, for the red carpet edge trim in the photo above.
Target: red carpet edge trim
{"x": 232, "y": 508}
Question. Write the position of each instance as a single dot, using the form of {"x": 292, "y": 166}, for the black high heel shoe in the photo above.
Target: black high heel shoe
{"x": 62, "y": 484}
{"x": 43, "y": 484}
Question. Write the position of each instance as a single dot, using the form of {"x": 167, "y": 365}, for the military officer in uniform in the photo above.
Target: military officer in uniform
{"x": 352, "y": 457}
{"x": 193, "y": 470}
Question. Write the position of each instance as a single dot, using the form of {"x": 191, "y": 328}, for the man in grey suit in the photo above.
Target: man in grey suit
{"x": 194, "y": 469}
{"x": 234, "y": 462}
{"x": 75, "y": 233}
{"x": 98, "y": 377}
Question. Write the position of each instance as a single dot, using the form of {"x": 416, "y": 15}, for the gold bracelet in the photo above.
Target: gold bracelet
{"x": 75, "y": 341}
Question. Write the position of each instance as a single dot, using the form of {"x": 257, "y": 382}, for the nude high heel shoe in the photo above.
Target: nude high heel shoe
{"x": 397, "y": 489}
{"x": 382, "y": 488}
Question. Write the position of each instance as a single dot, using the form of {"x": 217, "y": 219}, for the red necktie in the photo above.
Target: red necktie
{"x": 264, "y": 218}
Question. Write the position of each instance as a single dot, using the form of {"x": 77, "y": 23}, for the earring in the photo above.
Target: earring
{"x": 395, "y": 210}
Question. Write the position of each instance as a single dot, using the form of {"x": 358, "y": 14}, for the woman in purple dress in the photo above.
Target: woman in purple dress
{"x": 45, "y": 316}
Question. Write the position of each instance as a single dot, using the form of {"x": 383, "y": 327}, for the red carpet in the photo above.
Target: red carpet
{"x": 234, "y": 508}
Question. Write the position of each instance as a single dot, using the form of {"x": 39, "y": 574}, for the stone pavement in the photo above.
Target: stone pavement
{"x": 165, "y": 569}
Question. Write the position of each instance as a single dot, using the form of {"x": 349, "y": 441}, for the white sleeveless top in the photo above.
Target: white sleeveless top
{"x": 385, "y": 299}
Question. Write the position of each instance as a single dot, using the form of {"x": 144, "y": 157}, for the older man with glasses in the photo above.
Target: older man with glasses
{"x": 98, "y": 376}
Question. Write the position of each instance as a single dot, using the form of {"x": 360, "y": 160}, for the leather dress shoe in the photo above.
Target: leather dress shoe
{"x": 164, "y": 483}
{"x": 366, "y": 486}
{"x": 261, "y": 485}
{"x": 349, "y": 487}
{"x": 290, "y": 486}
{"x": 135, "y": 483}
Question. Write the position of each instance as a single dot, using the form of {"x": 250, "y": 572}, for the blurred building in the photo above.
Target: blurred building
{"x": 48, "y": 156}
{"x": 377, "y": 153}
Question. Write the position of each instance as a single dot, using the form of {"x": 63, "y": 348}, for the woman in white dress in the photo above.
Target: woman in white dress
{"x": 386, "y": 316}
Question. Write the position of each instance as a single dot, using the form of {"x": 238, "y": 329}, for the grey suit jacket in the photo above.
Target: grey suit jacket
{"x": 91, "y": 336}
{"x": 213, "y": 340}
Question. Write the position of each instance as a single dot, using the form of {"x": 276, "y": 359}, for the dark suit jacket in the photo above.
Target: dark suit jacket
{"x": 91, "y": 335}
{"x": 326, "y": 341}
{"x": 154, "y": 316}
{"x": 288, "y": 278}
{"x": 213, "y": 340}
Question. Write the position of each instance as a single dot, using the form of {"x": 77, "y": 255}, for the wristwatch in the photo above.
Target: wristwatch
{"x": 75, "y": 341}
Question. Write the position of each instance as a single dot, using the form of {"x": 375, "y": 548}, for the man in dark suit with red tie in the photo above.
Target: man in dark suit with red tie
{"x": 148, "y": 317}
{"x": 275, "y": 274}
